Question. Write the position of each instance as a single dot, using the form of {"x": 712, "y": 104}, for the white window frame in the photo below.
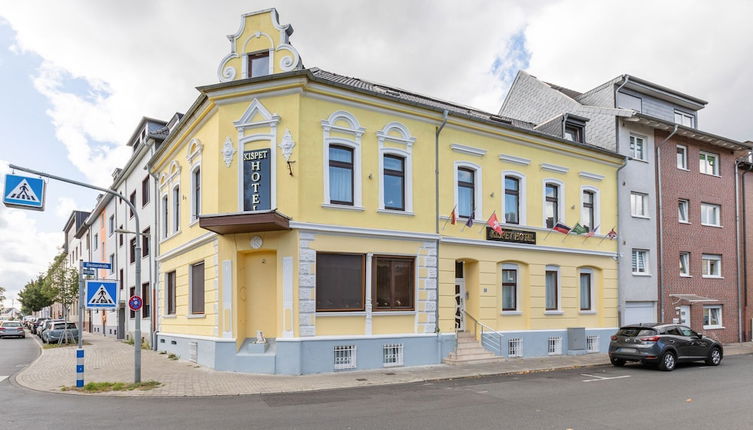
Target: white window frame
{"x": 592, "y": 344}
{"x": 516, "y": 268}
{"x": 110, "y": 225}
{"x": 716, "y": 209}
{"x": 354, "y": 132}
{"x": 345, "y": 357}
{"x": 191, "y": 313}
{"x": 194, "y": 197}
{"x": 392, "y": 355}
{"x": 687, "y": 211}
{"x": 596, "y": 203}
{"x": 634, "y": 256}
{"x": 684, "y": 149}
{"x": 112, "y": 263}
{"x": 244, "y": 64}
{"x": 558, "y": 311}
{"x": 591, "y": 272}
{"x": 515, "y": 347}
{"x": 554, "y": 345}
{"x": 644, "y": 148}
{"x": 522, "y": 202}
{"x": 96, "y": 241}
{"x": 706, "y": 260}
{"x": 176, "y": 206}
{"x": 401, "y": 146}
{"x": 684, "y": 116}
{"x": 165, "y": 215}
{"x": 560, "y": 203}
{"x": 715, "y": 171}
{"x": 685, "y": 257}
{"x": 477, "y": 187}
{"x": 708, "y": 309}
{"x": 644, "y": 204}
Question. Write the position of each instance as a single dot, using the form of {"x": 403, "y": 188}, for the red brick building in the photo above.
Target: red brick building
{"x": 701, "y": 279}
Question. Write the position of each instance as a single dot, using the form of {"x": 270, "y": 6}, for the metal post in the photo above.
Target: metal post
{"x": 137, "y": 344}
{"x": 80, "y": 350}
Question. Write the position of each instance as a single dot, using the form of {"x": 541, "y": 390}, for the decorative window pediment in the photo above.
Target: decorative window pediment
{"x": 194, "y": 150}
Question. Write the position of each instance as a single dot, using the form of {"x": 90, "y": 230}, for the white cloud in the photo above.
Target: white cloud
{"x": 65, "y": 206}
{"x": 25, "y": 250}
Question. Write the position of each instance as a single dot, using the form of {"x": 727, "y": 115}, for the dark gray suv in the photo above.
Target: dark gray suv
{"x": 663, "y": 344}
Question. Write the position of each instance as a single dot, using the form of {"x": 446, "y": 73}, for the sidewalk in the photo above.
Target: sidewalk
{"x": 108, "y": 360}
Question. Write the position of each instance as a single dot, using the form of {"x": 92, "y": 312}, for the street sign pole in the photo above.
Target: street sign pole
{"x": 80, "y": 350}
{"x": 137, "y": 334}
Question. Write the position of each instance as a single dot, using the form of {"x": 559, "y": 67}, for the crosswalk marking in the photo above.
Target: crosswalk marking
{"x": 601, "y": 378}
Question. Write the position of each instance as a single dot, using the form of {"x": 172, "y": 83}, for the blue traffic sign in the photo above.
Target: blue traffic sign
{"x": 96, "y": 265}
{"x": 24, "y": 192}
{"x": 101, "y": 294}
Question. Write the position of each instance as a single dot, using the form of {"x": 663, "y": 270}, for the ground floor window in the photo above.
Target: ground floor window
{"x": 340, "y": 282}
{"x": 585, "y": 291}
{"x": 509, "y": 289}
{"x": 393, "y": 289}
{"x": 197, "y": 288}
{"x": 170, "y": 282}
{"x": 712, "y": 317}
{"x": 551, "y": 290}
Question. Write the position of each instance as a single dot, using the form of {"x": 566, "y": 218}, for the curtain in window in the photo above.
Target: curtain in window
{"x": 512, "y": 200}
{"x": 341, "y": 175}
{"x": 585, "y": 291}
{"x": 551, "y": 290}
{"x": 509, "y": 285}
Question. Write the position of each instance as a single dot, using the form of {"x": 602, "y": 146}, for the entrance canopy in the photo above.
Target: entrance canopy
{"x": 244, "y": 222}
{"x": 692, "y": 298}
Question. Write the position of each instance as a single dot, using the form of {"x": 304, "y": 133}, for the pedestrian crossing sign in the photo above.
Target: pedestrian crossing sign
{"x": 101, "y": 294}
{"x": 24, "y": 192}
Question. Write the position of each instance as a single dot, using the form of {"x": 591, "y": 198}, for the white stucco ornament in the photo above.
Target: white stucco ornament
{"x": 256, "y": 242}
{"x": 227, "y": 151}
{"x": 287, "y": 145}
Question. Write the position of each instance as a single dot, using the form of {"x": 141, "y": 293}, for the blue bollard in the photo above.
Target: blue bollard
{"x": 80, "y": 368}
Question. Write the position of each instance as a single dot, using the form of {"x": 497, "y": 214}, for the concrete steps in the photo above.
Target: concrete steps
{"x": 469, "y": 350}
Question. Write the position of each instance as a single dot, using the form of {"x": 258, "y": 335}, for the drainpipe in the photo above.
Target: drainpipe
{"x": 737, "y": 240}
{"x": 745, "y": 243}
{"x": 661, "y": 223}
{"x": 155, "y": 239}
{"x": 436, "y": 226}
{"x": 619, "y": 228}
{"x": 625, "y": 80}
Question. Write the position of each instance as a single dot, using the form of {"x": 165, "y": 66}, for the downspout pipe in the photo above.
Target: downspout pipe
{"x": 739, "y": 251}
{"x": 745, "y": 245}
{"x": 619, "y": 228}
{"x": 661, "y": 222}
{"x": 445, "y": 115}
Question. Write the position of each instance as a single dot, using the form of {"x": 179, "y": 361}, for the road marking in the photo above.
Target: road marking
{"x": 3, "y": 378}
{"x": 602, "y": 378}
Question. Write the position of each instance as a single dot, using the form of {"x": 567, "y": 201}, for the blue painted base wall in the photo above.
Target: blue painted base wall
{"x": 535, "y": 343}
{"x": 306, "y": 356}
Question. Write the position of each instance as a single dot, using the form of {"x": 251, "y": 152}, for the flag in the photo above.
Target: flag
{"x": 493, "y": 222}
{"x": 562, "y": 228}
{"x": 579, "y": 229}
{"x": 469, "y": 223}
{"x": 592, "y": 232}
{"x": 612, "y": 234}
{"x": 453, "y": 216}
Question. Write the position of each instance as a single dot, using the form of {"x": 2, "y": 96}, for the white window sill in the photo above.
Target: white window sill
{"x": 712, "y": 277}
{"x": 710, "y": 174}
{"x": 169, "y": 317}
{"x": 640, "y": 216}
{"x": 685, "y": 276}
{"x": 712, "y": 225}
{"x": 346, "y": 207}
{"x": 684, "y": 222}
{"x": 511, "y": 313}
{"x": 395, "y": 212}
{"x": 713, "y": 327}
{"x": 393, "y": 313}
{"x": 196, "y": 220}
{"x": 554, "y": 313}
{"x": 683, "y": 168}
{"x": 638, "y": 159}
{"x": 172, "y": 235}
{"x": 641, "y": 274}
{"x": 341, "y": 314}
{"x": 196, "y": 316}
{"x": 587, "y": 312}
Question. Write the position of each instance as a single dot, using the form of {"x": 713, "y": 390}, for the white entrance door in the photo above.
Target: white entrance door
{"x": 460, "y": 304}
{"x": 685, "y": 315}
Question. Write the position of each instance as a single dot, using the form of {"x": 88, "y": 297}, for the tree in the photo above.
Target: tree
{"x": 2, "y": 298}
{"x": 35, "y": 296}
{"x": 62, "y": 282}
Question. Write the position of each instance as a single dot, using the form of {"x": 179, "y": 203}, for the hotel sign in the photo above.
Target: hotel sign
{"x": 508, "y": 235}
{"x": 256, "y": 180}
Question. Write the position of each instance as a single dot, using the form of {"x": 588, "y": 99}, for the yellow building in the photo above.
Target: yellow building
{"x": 313, "y": 210}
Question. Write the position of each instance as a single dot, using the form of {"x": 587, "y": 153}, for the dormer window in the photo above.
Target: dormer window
{"x": 574, "y": 128}
{"x": 685, "y": 119}
{"x": 258, "y": 64}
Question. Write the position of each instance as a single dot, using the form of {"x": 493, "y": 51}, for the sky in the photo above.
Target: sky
{"x": 77, "y": 76}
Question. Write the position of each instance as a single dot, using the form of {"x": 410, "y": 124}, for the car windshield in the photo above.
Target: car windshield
{"x": 636, "y": 331}
{"x": 11, "y": 324}
{"x": 60, "y": 326}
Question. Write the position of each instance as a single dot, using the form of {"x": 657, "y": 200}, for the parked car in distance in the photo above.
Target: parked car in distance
{"x": 664, "y": 345}
{"x": 38, "y": 323}
{"x": 11, "y": 329}
{"x": 56, "y": 332}
{"x": 45, "y": 326}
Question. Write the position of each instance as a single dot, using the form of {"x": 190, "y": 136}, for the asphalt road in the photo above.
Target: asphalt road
{"x": 692, "y": 397}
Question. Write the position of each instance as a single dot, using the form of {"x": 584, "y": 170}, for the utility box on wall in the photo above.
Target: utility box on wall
{"x": 576, "y": 340}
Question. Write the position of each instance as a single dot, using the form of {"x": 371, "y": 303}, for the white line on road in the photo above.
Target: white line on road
{"x": 602, "y": 378}
{"x": 3, "y": 378}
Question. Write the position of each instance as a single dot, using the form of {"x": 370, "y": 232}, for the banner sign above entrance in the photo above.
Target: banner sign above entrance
{"x": 256, "y": 180}
{"x": 517, "y": 236}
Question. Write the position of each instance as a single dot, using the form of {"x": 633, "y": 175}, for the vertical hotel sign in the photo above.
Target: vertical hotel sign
{"x": 256, "y": 180}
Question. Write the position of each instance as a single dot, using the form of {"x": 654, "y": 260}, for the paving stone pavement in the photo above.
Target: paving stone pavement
{"x": 109, "y": 360}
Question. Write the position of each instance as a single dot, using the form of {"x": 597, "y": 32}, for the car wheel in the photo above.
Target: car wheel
{"x": 715, "y": 357}
{"x": 668, "y": 361}
{"x": 618, "y": 362}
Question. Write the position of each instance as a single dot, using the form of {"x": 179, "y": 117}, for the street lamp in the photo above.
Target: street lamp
{"x": 137, "y": 279}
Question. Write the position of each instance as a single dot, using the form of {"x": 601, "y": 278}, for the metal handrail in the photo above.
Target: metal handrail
{"x": 493, "y": 339}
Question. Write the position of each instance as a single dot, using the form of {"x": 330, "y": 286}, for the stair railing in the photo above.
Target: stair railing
{"x": 491, "y": 339}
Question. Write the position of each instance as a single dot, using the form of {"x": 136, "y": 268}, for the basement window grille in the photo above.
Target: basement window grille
{"x": 393, "y": 355}
{"x": 515, "y": 347}
{"x": 554, "y": 346}
{"x": 592, "y": 344}
{"x": 193, "y": 351}
{"x": 345, "y": 357}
